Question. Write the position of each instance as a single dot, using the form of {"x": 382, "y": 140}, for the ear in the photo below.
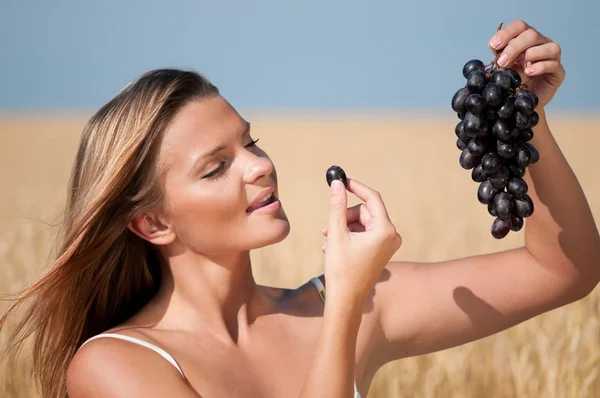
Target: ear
{"x": 150, "y": 227}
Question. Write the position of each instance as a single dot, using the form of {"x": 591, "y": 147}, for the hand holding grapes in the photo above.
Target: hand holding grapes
{"x": 534, "y": 56}
{"x": 361, "y": 240}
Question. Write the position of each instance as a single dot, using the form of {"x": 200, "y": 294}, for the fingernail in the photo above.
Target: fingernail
{"x": 495, "y": 42}
{"x": 502, "y": 60}
{"x": 323, "y": 231}
{"x": 336, "y": 186}
{"x": 322, "y": 247}
{"x": 530, "y": 70}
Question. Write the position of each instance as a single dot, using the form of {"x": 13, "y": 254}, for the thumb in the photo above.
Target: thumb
{"x": 338, "y": 205}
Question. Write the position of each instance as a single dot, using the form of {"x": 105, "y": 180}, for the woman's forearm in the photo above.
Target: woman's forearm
{"x": 331, "y": 374}
{"x": 561, "y": 233}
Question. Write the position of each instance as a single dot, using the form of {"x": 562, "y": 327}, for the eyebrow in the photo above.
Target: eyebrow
{"x": 216, "y": 150}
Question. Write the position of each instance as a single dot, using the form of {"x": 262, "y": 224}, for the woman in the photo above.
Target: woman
{"x": 170, "y": 193}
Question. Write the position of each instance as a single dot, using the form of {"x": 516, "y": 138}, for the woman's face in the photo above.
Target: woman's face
{"x": 213, "y": 175}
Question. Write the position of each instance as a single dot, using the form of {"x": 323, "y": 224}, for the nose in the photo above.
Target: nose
{"x": 258, "y": 165}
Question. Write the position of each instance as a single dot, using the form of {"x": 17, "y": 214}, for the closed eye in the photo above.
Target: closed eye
{"x": 216, "y": 173}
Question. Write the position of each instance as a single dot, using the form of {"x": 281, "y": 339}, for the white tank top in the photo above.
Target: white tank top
{"x": 168, "y": 357}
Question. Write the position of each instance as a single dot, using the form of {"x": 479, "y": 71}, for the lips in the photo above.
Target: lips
{"x": 258, "y": 201}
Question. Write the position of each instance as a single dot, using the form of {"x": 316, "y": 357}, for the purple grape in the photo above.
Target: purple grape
{"x": 500, "y": 78}
{"x": 523, "y": 157}
{"x": 477, "y": 147}
{"x": 502, "y": 130}
{"x": 478, "y": 175}
{"x": 500, "y": 178}
{"x": 461, "y": 115}
{"x": 335, "y": 173}
{"x": 535, "y": 155}
{"x": 524, "y": 207}
{"x": 504, "y": 205}
{"x": 522, "y": 121}
{"x": 506, "y": 149}
{"x": 491, "y": 116}
{"x": 507, "y": 110}
{"x": 459, "y": 130}
{"x": 491, "y": 209}
{"x": 514, "y": 77}
{"x": 467, "y": 160}
{"x": 460, "y": 144}
{"x": 475, "y": 104}
{"x": 500, "y": 228}
{"x": 517, "y": 187}
{"x": 516, "y": 170}
{"x": 526, "y": 134}
{"x": 486, "y": 192}
{"x": 528, "y": 93}
{"x": 493, "y": 95}
{"x": 458, "y": 101}
{"x": 477, "y": 81}
{"x": 534, "y": 119}
{"x": 491, "y": 162}
{"x": 525, "y": 105}
{"x": 471, "y": 66}
{"x": 516, "y": 223}
{"x": 473, "y": 124}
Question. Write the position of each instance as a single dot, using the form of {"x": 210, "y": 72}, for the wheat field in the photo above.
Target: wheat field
{"x": 431, "y": 200}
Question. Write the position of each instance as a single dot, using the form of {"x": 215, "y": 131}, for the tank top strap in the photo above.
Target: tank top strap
{"x": 321, "y": 289}
{"x": 154, "y": 348}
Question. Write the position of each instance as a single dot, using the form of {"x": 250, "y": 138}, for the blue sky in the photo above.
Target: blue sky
{"x": 319, "y": 55}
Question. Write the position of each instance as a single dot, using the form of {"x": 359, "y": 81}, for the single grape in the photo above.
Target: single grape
{"x": 460, "y": 144}
{"x": 467, "y": 161}
{"x": 473, "y": 124}
{"x": 524, "y": 207}
{"x": 486, "y": 192}
{"x": 526, "y": 134}
{"x": 459, "y": 130}
{"x": 471, "y": 66}
{"x": 528, "y": 93}
{"x": 500, "y": 228}
{"x": 506, "y": 149}
{"x": 534, "y": 119}
{"x": 493, "y": 94}
{"x": 517, "y": 187}
{"x": 477, "y": 146}
{"x": 525, "y": 105}
{"x": 516, "y": 170}
{"x": 477, "y": 81}
{"x": 335, "y": 173}
{"x": 514, "y": 77}
{"x": 535, "y": 155}
{"x": 491, "y": 162}
{"x": 500, "y": 78}
{"x": 516, "y": 223}
{"x": 504, "y": 205}
{"x": 502, "y": 130}
{"x": 478, "y": 175}
{"x": 491, "y": 209}
{"x": 459, "y": 98}
{"x": 500, "y": 178}
{"x": 522, "y": 121}
{"x": 507, "y": 110}
{"x": 475, "y": 104}
{"x": 523, "y": 156}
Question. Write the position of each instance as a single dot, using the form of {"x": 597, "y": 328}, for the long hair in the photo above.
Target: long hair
{"x": 102, "y": 273}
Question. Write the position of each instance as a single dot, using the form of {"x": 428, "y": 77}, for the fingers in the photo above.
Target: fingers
{"x": 338, "y": 202}
{"x": 538, "y": 53}
{"x": 550, "y": 67}
{"x": 507, "y": 33}
{"x": 528, "y": 39}
{"x": 371, "y": 198}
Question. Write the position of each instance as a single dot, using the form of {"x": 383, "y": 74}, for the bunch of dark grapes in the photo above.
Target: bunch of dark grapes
{"x": 497, "y": 114}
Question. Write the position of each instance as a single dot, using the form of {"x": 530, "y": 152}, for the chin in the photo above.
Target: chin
{"x": 275, "y": 233}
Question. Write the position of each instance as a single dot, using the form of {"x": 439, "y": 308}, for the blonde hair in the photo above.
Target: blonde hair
{"x": 103, "y": 273}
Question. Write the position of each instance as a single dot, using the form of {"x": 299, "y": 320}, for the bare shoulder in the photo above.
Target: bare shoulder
{"x": 109, "y": 367}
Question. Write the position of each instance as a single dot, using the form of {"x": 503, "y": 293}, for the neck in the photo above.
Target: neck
{"x": 217, "y": 293}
